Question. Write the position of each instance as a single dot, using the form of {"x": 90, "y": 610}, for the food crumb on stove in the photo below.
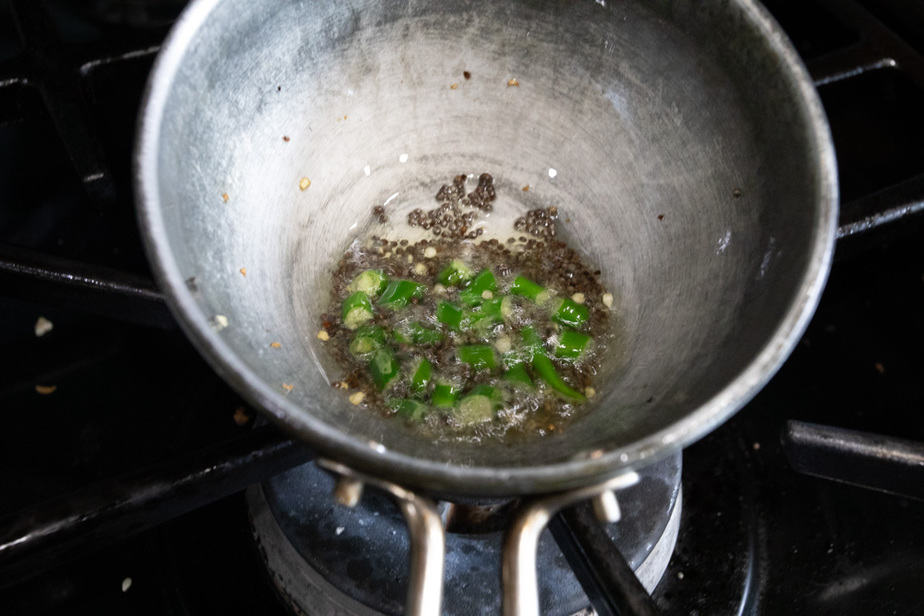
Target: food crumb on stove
{"x": 590, "y": 392}
{"x": 43, "y": 326}
{"x": 304, "y": 183}
{"x": 607, "y": 300}
{"x": 466, "y": 74}
{"x": 550, "y": 427}
{"x": 513, "y": 83}
{"x": 487, "y": 295}
{"x": 596, "y": 453}
{"x": 288, "y": 387}
{"x": 879, "y": 367}
{"x": 275, "y": 345}
{"x": 525, "y": 188}
{"x": 578, "y": 298}
{"x": 243, "y": 271}
{"x": 345, "y": 116}
{"x": 241, "y": 417}
{"x": 286, "y": 138}
{"x": 225, "y": 197}
{"x": 46, "y": 389}
{"x": 756, "y": 446}
{"x": 357, "y": 398}
{"x": 219, "y": 322}
{"x": 126, "y": 584}
{"x": 680, "y": 575}
{"x": 454, "y": 86}
{"x": 339, "y": 530}
{"x": 420, "y": 269}
{"x": 343, "y": 385}
{"x": 323, "y": 335}
{"x": 736, "y": 193}
{"x": 660, "y": 216}
{"x": 430, "y": 252}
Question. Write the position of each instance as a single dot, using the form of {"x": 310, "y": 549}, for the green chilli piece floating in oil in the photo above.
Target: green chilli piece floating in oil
{"x": 458, "y": 336}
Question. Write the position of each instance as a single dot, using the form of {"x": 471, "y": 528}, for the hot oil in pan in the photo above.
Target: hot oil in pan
{"x": 467, "y": 337}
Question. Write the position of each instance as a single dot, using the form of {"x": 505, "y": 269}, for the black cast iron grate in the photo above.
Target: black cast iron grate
{"x": 71, "y": 76}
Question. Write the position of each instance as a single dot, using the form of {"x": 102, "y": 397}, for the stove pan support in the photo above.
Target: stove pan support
{"x": 520, "y": 586}
{"x": 519, "y": 575}
{"x": 425, "y": 526}
{"x": 882, "y": 463}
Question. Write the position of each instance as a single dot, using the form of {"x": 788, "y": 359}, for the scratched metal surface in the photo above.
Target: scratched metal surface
{"x": 625, "y": 112}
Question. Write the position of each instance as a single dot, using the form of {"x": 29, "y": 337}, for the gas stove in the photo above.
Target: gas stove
{"x": 135, "y": 481}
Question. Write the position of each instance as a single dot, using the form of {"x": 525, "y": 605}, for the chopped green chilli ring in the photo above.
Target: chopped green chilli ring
{"x": 357, "y": 309}
{"x": 518, "y": 375}
{"x": 368, "y": 338}
{"x": 420, "y": 377}
{"x": 571, "y": 344}
{"x": 399, "y": 293}
{"x": 478, "y": 356}
{"x": 444, "y": 395}
{"x": 570, "y": 313}
{"x": 370, "y": 282}
{"x": 449, "y": 314}
{"x": 457, "y": 272}
{"x": 383, "y": 366}
{"x": 481, "y": 288}
{"x": 458, "y": 337}
{"x": 413, "y": 410}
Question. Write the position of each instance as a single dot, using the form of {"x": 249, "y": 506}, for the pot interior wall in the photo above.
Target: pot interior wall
{"x": 640, "y": 132}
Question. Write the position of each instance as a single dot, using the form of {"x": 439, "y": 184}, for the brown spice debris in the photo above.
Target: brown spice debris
{"x": 288, "y": 387}
{"x": 513, "y": 83}
{"x": 879, "y": 368}
{"x": 241, "y": 417}
{"x": 660, "y": 216}
{"x": 225, "y": 197}
{"x": 286, "y": 138}
{"x": 454, "y": 86}
{"x": 466, "y": 74}
{"x": 275, "y": 345}
{"x": 46, "y": 389}
{"x": 525, "y": 188}
{"x": 243, "y": 271}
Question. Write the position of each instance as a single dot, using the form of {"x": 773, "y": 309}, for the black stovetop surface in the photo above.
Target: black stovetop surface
{"x": 755, "y": 537}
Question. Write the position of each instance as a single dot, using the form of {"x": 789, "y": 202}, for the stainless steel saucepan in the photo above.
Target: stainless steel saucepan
{"x": 683, "y": 141}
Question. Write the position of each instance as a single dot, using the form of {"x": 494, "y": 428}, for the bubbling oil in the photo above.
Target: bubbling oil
{"x": 528, "y": 250}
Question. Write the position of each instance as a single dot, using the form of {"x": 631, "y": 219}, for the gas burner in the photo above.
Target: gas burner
{"x": 332, "y": 559}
